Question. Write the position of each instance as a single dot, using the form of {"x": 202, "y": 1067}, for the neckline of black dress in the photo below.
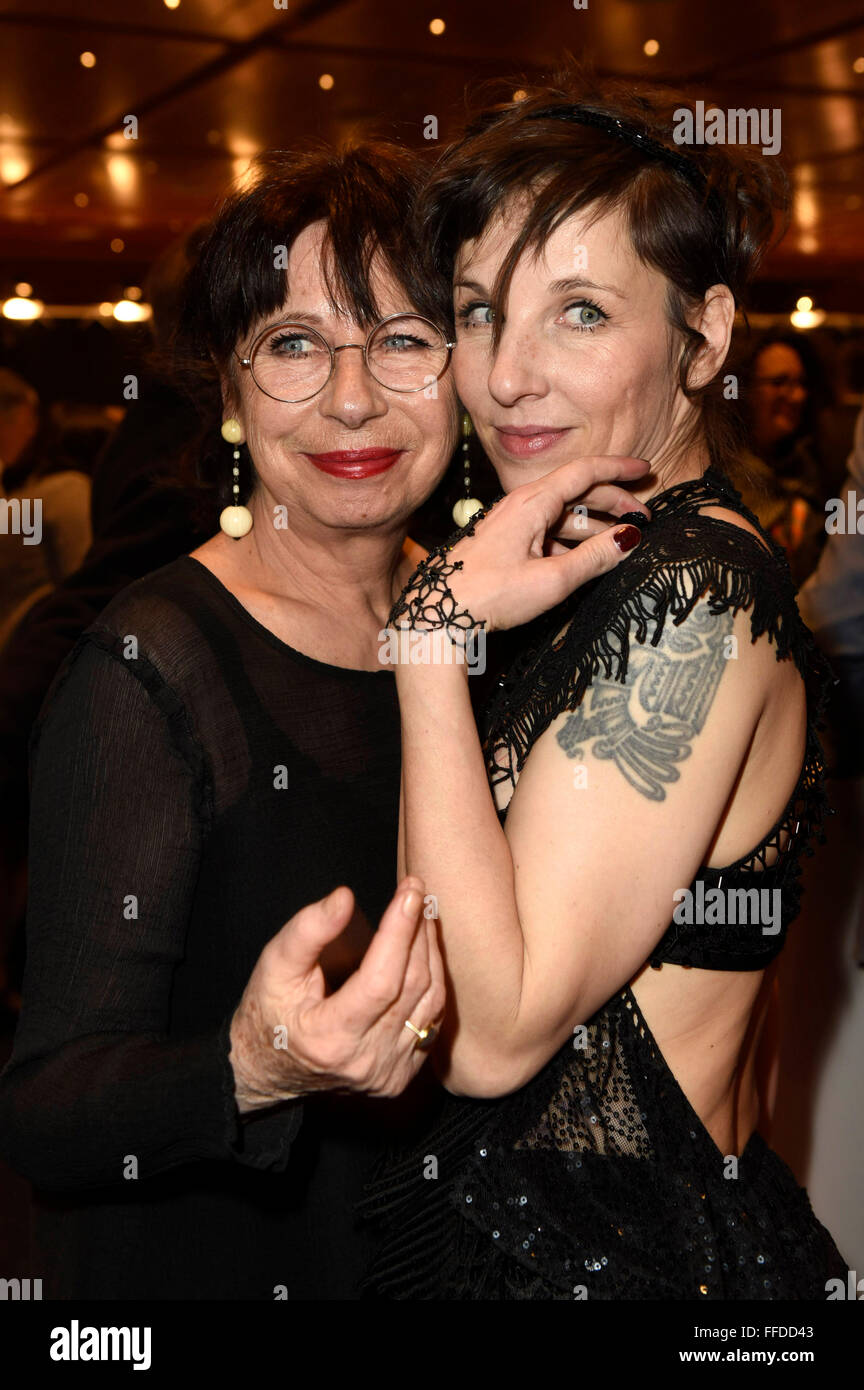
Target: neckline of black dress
{"x": 233, "y": 602}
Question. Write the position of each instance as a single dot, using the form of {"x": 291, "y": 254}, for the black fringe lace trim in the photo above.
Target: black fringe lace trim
{"x": 683, "y": 558}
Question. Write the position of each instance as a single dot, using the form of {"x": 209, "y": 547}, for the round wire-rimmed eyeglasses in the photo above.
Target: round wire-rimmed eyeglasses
{"x": 291, "y": 362}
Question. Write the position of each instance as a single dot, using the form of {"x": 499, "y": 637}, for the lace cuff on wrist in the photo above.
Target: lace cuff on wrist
{"x": 427, "y": 603}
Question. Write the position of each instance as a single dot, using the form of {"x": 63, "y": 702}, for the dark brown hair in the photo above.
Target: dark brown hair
{"x": 700, "y": 215}
{"x": 364, "y": 195}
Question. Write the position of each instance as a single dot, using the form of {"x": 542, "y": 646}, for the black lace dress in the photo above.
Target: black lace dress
{"x": 598, "y": 1180}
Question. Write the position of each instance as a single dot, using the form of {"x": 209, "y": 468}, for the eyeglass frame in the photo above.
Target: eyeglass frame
{"x": 298, "y": 323}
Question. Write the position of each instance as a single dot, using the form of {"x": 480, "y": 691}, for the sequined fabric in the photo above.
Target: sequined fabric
{"x": 596, "y": 1181}
{"x": 599, "y": 1181}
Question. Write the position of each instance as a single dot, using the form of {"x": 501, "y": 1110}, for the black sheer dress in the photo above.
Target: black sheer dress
{"x": 598, "y": 1180}
{"x": 195, "y": 781}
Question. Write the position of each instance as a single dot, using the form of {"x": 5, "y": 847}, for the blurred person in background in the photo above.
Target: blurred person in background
{"x": 832, "y": 604}
{"x": 44, "y": 534}
{"x": 81, "y": 432}
{"x": 141, "y": 519}
{"x": 35, "y": 556}
{"x": 780, "y": 474}
{"x": 19, "y": 419}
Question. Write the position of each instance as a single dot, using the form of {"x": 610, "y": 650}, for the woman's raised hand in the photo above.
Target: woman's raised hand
{"x": 514, "y": 567}
{"x": 289, "y": 1038}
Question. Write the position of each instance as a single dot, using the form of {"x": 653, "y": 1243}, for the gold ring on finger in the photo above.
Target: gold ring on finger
{"x": 425, "y": 1036}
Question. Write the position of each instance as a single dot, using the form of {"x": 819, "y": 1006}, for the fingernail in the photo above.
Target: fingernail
{"x": 411, "y": 903}
{"x": 329, "y": 902}
{"x": 626, "y": 537}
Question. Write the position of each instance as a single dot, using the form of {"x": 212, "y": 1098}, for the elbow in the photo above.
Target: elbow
{"x": 488, "y": 1065}
{"x": 486, "y": 1074}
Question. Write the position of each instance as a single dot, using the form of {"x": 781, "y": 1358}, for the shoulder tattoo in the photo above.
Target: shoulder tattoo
{"x": 647, "y": 724}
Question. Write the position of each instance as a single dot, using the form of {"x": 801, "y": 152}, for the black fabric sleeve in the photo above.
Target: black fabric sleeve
{"x": 119, "y": 811}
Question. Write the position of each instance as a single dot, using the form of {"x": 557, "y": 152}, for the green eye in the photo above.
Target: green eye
{"x": 475, "y": 316}
{"x": 583, "y": 315}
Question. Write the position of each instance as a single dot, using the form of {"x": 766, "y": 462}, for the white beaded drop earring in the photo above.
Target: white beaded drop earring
{"x": 235, "y": 521}
{"x": 466, "y": 507}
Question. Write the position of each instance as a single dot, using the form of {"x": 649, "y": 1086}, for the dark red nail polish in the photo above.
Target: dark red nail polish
{"x": 626, "y": 537}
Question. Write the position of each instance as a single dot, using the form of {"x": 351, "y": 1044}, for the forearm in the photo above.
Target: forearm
{"x": 454, "y": 841}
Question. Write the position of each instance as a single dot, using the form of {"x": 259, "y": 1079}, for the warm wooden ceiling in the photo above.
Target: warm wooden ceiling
{"x": 212, "y": 81}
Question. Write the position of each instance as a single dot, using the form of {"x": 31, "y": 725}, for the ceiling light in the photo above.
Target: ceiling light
{"x": 13, "y": 168}
{"x": 650, "y": 47}
{"x": 122, "y": 171}
{"x": 20, "y": 308}
{"x": 807, "y": 318}
{"x": 24, "y": 289}
{"x": 125, "y": 311}
{"x": 87, "y": 59}
{"x": 437, "y": 26}
{"x": 326, "y": 82}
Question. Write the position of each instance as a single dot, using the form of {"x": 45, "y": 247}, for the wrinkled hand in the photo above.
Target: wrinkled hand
{"x": 514, "y": 567}
{"x": 289, "y": 1038}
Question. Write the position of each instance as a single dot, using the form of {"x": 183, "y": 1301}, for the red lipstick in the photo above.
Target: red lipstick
{"x": 355, "y": 463}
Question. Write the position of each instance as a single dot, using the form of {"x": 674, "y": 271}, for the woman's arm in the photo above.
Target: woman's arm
{"x": 615, "y": 809}
{"x": 95, "y": 1080}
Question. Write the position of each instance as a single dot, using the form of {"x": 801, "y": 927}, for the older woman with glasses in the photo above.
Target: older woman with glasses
{"x": 220, "y": 754}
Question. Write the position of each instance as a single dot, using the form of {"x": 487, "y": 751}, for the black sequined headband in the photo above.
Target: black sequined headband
{"x": 640, "y": 140}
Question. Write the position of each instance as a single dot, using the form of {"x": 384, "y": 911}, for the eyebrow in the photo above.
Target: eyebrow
{"x": 581, "y": 282}
{"x": 576, "y": 282}
{"x": 469, "y": 285}
{"x": 314, "y": 320}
